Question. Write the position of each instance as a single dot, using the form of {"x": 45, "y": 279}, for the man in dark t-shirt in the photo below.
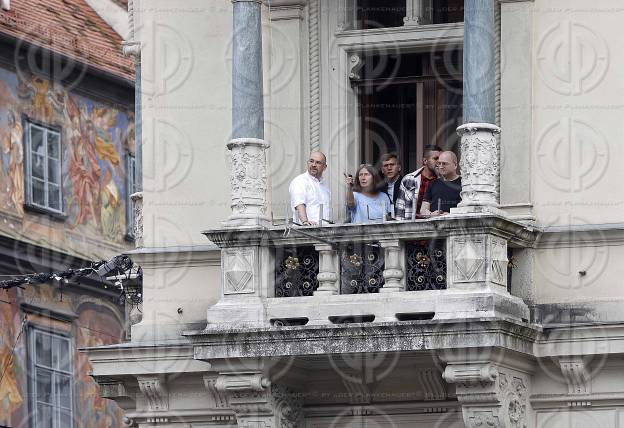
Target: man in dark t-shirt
{"x": 443, "y": 194}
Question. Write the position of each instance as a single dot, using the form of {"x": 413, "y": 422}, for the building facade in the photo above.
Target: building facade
{"x": 505, "y": 313}
{"x": 68, "y": 156}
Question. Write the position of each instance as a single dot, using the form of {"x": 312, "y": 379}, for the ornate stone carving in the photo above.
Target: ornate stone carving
{"x": 131, "y": 46}
{"x": 576, "y": 375}
{"x": 393, "y": 268}
{"x": 154, "y": 388}
{"x": 238, "y": 271}
{"x": 218, "y": 398}
{"x": 315, "y": 73}
{"x": 498, "y": 261}
{"x": 417, "y": 12}
{"x": 328, "y": 270}
{"x": 248, "y": 181}
{"x": 469, "y": 259}
{"x": 259, "y": 403}
{"x": 356, "y": 63}
{"x": 137, "y": 201}
{"x": 479, "y": 166}
{"x": 490, "y": 396}
{"x": 478, "y": 261}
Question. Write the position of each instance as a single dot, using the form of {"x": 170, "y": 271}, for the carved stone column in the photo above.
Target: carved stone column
{"x": 480, "y": 159}
{"x": 417, "y": 12}
{"x": 258, "y": 403}
{"x": 328, "y": 270}
{"x": 394, "y": 269}
{"x": 490, "y": 396}
{"x": 479, "y": 166}
{"x": 248, "y": 181}
{"x": 248, "y": 177}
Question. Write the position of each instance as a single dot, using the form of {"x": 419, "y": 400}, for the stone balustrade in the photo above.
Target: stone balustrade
{"x": 436, "y": 268}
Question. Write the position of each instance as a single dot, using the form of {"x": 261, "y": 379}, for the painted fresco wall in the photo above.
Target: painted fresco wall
{"x": 95, "y": 322}
{"x": 95, "y": 138}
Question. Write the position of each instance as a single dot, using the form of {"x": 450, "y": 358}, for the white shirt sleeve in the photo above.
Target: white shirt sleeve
{"x": 297, "y": 190}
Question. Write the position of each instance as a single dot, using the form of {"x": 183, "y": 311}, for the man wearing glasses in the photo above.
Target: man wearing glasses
{"x": 310, "y": 197}
{"x": 444, "y": 193}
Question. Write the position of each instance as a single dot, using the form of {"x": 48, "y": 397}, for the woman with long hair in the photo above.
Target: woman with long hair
{"x": 364, "y": 200}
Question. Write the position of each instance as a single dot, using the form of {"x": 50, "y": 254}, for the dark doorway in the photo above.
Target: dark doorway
{"x": 412, "y": 101}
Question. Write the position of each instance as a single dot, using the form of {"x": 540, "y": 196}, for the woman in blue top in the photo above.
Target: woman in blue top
{"x": 364, "y": 200}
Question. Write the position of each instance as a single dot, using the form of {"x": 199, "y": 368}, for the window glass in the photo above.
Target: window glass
{"x": 44, "y": 182}
{"x": 51, "y": 379}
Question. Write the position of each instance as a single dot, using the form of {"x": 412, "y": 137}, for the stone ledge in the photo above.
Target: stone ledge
{"x": 416, "y": 336}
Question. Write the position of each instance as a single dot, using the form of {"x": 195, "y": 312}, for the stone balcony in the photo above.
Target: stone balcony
{"x": 449, "y": 267}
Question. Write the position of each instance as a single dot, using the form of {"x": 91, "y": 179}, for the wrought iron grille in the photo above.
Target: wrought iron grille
{"x": 296, "y": 271}
{"x": 425, "y": 265}
{"x": 361, "y": 269}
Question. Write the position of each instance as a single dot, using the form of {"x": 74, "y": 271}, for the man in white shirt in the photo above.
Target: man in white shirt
{"x": 309, "y": 193}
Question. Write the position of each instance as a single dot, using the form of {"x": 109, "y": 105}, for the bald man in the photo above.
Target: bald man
{"x": 444, "y": 193}
{"x": 309, "y": 192}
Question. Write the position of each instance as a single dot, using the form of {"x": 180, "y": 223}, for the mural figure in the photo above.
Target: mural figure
{"x": 84, "y": 169}
{"x": 11, "y": 397}
{"x": 13, "y": 152}
{"x": 111, "y": 207}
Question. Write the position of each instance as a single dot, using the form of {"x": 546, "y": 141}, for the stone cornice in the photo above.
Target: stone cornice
{"x": 516, "y": 233}
{"x": 378, "y": 337}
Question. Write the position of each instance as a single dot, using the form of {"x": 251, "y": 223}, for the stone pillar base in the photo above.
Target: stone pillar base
{"x": 479, "y": 167}
{"x": 248, "y": 181}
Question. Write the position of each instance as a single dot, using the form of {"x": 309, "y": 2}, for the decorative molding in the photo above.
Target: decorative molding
{"x": 259, "y": 403}
{"x": 131, "y": 46}
{"x": 498, "y": 261}
{"x": 490, "y": 396}
{"x": 218, "y": 398}
{"x": 238, "y": 271}
{"x": 314, "y": 59}
{"x": 137, "y": 201}
{"x": 355, "y": 66}
{"x": 248, "y": 181}
{"x": 576, "y": 375}
{"x": 469, "y": 258}
{"x": 470, "y": 374}
{"x": 416, "y": 12}
{"x": 154, "y": 388}
{"x": 432, "y": 384}
{"x": 480, "y": 167}
{"x": 282, "y": 10}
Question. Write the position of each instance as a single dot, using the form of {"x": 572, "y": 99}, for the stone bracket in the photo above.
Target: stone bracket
{"x": 154, "y": 388}
{"x": 577, "y": 377}
{"x": 259, "y": 403}
{"x": 490, "y": 395}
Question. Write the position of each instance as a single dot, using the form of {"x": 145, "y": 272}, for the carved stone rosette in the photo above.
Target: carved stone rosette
{"x": 258, "y": 403}
{"x": 479, "y": 167}
{"x": 490, "y": 396}
{"x": 248, "y": 181}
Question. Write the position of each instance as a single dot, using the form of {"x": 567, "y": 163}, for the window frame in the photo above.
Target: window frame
{"x": 29, "y": 202}
{"x": 56, "y": 373}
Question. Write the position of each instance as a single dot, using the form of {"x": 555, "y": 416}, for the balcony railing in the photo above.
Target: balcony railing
{"x": 331, "y": 273}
